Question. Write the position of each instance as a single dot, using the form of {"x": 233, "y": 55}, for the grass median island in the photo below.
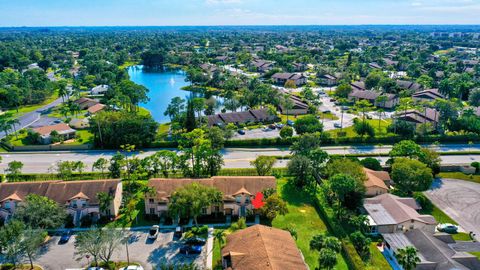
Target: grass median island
{"x": 350, "y": 132}
{"x": 303, "y": 217}
{"x": 461, "y": 176}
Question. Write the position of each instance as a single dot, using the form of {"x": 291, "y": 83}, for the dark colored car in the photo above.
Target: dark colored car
{"x": 195, "y": 241}
{"x": 187, "y": 249}
{"x": 65, "y": 237}
{"x": 272, "y": 126}
{"x": 241, "y": 132}
{"x": 178, "y": 232}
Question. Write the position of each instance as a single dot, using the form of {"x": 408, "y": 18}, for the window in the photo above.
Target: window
{"x": 217, "y": 209}
{"x": 238, "y": 199}
{"x": 150, "y": 201}
{"x": 247, "y": 200}
{"x": 152, "y": 211}
{"x": 204, "y": 211}
{"x": 7, "y": 205}
{"x": 374, "y": 229}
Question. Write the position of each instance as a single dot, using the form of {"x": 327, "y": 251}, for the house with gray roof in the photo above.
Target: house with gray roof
{"x": 388, "y": 213}
{"x": 435, "y": 250}
{"x": 282, "y": 78}
{"x": 391, "y": 100}
{"x": 428, "y": 95}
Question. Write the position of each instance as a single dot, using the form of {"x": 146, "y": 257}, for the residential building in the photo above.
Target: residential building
{"x": 63, "y": 130}
{"x": 436, "y": 251}
{"x": 328, "y": 80}
{"x": 99, "y": 90}
{"x": 299, "y": 107}
{"x": 358, "y": 85}
{"x": 427, "y": 115}
{"x": 262, "y": 66}
{"x": 372, "y": 96}
{"x": 96, "y": 108}
{"x": 238, "y": 193}
{"x": 427, "y": 95}
{"x": 261, "y": 247}
{"x": 209, "y": 68}
{"x": 250, "y": 116}
{"x": 388, "y": 213}
{"x": 378, "y": 182}
{"x": 408, "y": 85}
{"x": 78, "y": 197}
{"x": 299, "y": 67}
{"x": 85, "y": 103}
{"x": 282, "y": 78}
{"x": 374, "y": 65}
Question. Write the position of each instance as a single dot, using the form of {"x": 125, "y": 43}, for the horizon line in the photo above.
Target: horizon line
{"x": 235, "y": 25}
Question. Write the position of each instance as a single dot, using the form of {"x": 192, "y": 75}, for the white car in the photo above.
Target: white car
{"x": 132, "y": 267}
{"x": 153, "y": 232}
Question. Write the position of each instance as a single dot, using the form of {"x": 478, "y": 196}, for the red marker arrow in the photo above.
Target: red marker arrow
{"x": 258, "y": 201}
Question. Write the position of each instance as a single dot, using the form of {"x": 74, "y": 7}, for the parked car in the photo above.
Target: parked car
{"x": 65, "y": 237}
{"x": 178, "y": 232}
{"x": 241, "y": 132}
{"x": 279, "y": 125}
{"x": 290, "y": 123}
{"x": 195, "y": 241}
{"x": 272, "y": 126}
{"x": 337, "y": 125}
{"x": 188, "y": 249}
{"x": 153, "y": 232}
{"x": 447, "y": 228}
{"x": 95, "y": 268}
{"x": 132, "y": 267}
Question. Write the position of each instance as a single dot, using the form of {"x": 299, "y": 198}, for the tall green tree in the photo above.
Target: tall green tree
{"x": 39, "y": 212}
{"x": 264, "y": 164}
{"x": 189, "y": 200}
{"x": 407, "y": 258}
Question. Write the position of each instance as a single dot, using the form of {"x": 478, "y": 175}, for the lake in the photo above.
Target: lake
{"x": 163, "y": 86}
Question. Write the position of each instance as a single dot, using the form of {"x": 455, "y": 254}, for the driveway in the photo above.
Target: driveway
{"x": 146, "y": 252}
{"x": 460, "y": 200}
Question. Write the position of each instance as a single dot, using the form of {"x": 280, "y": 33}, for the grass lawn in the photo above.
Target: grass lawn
{"x": 84, "y": 137}
{"x": 379, "y": 131}
{"x": 476, "y": 253}
{"x": 30, "y": 108}
{"x": 283, "y": 117}
{"x": 439, "y": 215}
{"x": 461, "y": 236}
{"x": 377, "y": 260}
{"x": 128, "y": 64}
{"x": 305, "y": 220}
{"x": 19, "y": 267}
{"x": 459, "y": 175}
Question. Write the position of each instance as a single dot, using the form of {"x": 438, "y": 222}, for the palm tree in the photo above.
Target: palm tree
{"x": 407, "y": 258}
{"x": 220, "y": 236}
{"x": 104, "y": 201}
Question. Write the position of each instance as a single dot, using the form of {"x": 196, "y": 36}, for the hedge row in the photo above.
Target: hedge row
{"x": 278, "y": 172}
{"x": 351, "y": 256}
{"x": 335, "y": 141}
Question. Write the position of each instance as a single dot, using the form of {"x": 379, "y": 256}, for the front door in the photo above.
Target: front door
{"x": 243, "y": 211}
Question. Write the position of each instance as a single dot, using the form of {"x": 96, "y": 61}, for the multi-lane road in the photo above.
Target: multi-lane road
{"x": 40, "y": 162}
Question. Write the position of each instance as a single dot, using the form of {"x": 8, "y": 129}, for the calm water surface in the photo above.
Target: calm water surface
{"x": 163, "y": 87}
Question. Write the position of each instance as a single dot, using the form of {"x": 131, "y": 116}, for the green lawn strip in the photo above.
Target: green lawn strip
{"x": 305, "y": 220}
{"x": 476, "y": 253}
{"x": 30, "y": 108}
{"x": 461, "y": 176}
{"x": 350, "y": 133}
{"x": 377, "y": 260}
{"x": 439, "y": 215}
{"x": 461, "y": 236}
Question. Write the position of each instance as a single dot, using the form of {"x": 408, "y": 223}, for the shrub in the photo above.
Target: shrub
{"x": 371, "y": 163}
{"x": 286, "y": 132}
{"x": 424, "y": 202}
{"x": 476, "y": 165}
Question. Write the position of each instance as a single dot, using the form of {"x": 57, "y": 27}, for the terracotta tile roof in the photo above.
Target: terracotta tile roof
{"x": 228, "y": 185}
{"x": 261, "y": 247}
{"x": 59, "y": 191}
{"x": 376, "y": 179}
{"x": 60, "y": 128}
{"x": 96, "y": 108}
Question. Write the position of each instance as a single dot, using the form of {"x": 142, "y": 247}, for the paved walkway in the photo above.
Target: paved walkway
{"x": 210, "y": 240}
{"x": 460, "y": 200}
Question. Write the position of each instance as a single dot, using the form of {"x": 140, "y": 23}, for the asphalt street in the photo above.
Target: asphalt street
{"x": 41, "y": 162}
{"x": 29, "y": 118}
{"x": 460, "y": 200}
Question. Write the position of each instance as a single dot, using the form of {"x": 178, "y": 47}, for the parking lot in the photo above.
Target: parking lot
{"x": 141, "y": 250}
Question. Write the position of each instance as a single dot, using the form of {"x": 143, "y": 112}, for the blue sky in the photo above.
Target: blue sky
{"x": 235, "y": 12}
